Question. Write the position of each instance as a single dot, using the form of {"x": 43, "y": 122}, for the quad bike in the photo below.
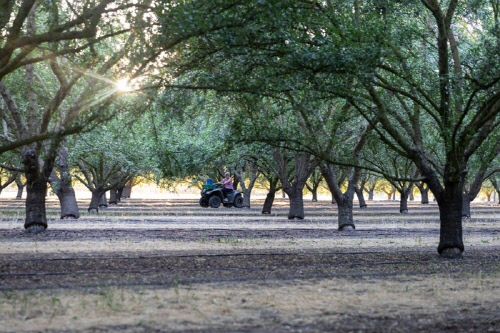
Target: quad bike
{"x": 212, "y": 196}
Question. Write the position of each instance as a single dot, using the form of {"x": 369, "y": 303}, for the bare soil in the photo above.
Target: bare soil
{"x": 172, "y": 266}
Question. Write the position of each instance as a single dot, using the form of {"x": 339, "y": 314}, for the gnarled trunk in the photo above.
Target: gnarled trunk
{"x": 36, "y": 191}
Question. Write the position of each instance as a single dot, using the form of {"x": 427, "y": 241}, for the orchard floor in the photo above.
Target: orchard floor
{"x": 172, "y": 266}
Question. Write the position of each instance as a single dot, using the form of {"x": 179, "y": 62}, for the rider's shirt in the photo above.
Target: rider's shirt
{"x": 228, "y": 183}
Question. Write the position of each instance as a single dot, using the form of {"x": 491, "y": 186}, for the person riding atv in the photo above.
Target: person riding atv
{"x": 212, "y": 195}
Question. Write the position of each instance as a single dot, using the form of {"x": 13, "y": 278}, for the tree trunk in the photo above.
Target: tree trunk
{"x": 361, "y": 198}
{"x": 113, "y": 197}
{"x": 314, "y": 194}
{"x": 119, "y": 192}
{"x": 271, "y": 195}
{"x": 63, "y": 187}
{"x": 334, "y": 201}
{"x": 424, "y": 192}
{"x": 403, "y": 203}
{"x": 247, "y": 193}
{"x": 268, "y": 203}
{"x": 36, "y": 191}
{"x": 450, "y": 212}
{"x": 466, "y": 206}
{"x": 345, "y": 215}
{"x": 20, "y": 188}
{"x": 95, "y": 200}
{"x": 344, "y": 200}
{"x": 371, "y": 190}
{"x": 296, "y": 199}
{"x": 127, "y": 191}
{"x": 104, "y": 202}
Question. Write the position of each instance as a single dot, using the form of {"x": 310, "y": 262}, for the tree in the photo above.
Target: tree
{"x": 85, "y": 66}
{"x": 436, "y": 100}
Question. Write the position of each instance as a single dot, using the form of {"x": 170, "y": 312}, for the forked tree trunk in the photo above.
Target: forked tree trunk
{"x": 314, "y": 191}
{"x": 344, "y": 200}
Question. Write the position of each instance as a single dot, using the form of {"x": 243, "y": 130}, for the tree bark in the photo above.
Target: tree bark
{"x": 36, "y": 191}
{"x": 450, "y": 212}
{"x": 424, "y": 193}
{"x": 361, "y": 197}
{"x": 403, "y": 203}
{"x": 95, "y": 200}
{"x": 296, "y": 211}
{"x": 113, "y": 197}
{"x": 268, "y": 203}
{"x": 344, "y": 200}
{"x": 63, "y": 187}
{"x": 20, "y": 187}
{"x": 271, "y": 195}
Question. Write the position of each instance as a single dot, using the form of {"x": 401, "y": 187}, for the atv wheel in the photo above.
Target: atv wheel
{"x": 238, "y": 201}
{"x": 214, "y": 201}
{"x": 203, "y": 202}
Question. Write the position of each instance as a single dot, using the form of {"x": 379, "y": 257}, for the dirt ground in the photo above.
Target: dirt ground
{"x": 172, "y": 266}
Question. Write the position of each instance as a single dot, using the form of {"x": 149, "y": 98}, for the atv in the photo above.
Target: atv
{"x": 212, "y": 196}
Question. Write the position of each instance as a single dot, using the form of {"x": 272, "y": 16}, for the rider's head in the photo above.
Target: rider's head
{"x": 227, "y": 174}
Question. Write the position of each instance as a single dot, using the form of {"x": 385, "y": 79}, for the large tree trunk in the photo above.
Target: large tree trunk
{"x": 95, "y": 200}
{"x": 36, "y": 191}
{"x": 450, "y": 212}
{"x": 296, "y": 211}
